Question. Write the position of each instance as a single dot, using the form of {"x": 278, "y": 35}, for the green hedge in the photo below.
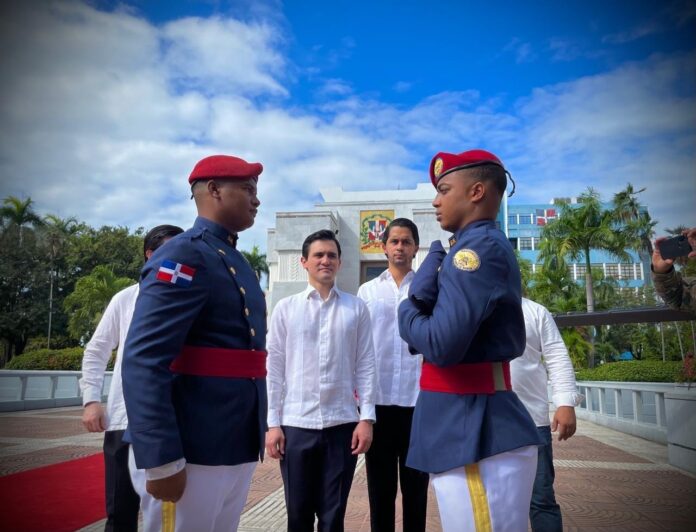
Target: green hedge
{"x": 633, "y": 371}
{"x": 69, "y": 359}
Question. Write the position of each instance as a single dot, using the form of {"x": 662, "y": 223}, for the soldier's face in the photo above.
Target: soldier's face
{"x": 400, "y": 248}
{"x": 239, "y": 203}
{"x": 322, "y": 262}
{"x": 453, "y": 202}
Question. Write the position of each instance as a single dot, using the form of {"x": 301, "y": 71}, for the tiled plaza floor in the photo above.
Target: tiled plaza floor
{"x": 605, "y": 480}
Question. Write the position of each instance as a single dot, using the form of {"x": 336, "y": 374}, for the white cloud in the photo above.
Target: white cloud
{"x": 104, "y": 115}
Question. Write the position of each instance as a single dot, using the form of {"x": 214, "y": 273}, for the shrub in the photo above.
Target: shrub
{"x": 69, "y": 359}
{"x": 633, "y": 371}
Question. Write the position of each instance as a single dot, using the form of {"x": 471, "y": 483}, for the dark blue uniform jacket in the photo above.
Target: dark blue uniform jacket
{"x": 207, "y": 420}
{"x": 476, "y": 317}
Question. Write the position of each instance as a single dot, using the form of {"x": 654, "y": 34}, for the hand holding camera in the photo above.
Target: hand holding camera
{"x": 668, "y": 249}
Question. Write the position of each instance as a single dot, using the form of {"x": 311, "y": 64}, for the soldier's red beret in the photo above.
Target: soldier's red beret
{"x": 224, "y": 167}
{"x": 444, "y": 163}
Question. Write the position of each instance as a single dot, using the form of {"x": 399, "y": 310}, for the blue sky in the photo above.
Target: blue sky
{"x": 106, "y": 106}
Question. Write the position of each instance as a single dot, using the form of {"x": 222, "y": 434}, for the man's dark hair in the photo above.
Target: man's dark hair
{"x": 324, "y": 234}
{"x": 156, "y": 236}
{"x": 402, "y": 222}
{"x": 490, "y": 172}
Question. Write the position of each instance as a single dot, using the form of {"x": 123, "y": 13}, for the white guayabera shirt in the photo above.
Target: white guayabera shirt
{"x": 320, "y": 355}
{"x": 398, "y": 371}
{"x": 545, "y": 359}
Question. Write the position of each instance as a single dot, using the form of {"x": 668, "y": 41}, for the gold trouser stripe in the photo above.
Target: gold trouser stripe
{"x": 479, "y": 500}
{"x": 168, "y": 516}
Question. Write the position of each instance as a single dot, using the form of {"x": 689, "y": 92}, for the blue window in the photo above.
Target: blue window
{"x": 525, "y": 219}
{"x": 512, "y": 219}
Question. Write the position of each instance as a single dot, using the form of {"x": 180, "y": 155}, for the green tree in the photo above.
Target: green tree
{"x": 19, "y": 214}
{"x": 23, "y": 290}
{"x": 635, "y": 218}
{"x": 257, "y": 261}
{"x": 56, "y": 235}
{"x": 91, "y": 296}
{"x": 116, "y": 247}
{"x": 577, "y": 231}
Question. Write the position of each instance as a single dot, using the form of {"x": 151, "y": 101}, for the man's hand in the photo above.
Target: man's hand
{"x": 660, "y": 265}
{"x": 564, "y": 422}
{"x": 690, "y": 235}
{"x": 362, "y": 437}
{"x": 93, "y": 417}
{"x": 168, "y": 489}
{"x": 275, "y": 443}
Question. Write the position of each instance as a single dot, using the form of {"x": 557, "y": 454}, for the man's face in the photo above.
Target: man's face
{"x": 452, "y": 203}
{"x": 239, "y": 203}
{"x": 400, "y": 248}
{"x": 322, "y": 262}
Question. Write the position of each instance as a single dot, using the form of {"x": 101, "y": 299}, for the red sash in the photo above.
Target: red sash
{"x": 219, "y": 362}
{"x": 466, "y": 379}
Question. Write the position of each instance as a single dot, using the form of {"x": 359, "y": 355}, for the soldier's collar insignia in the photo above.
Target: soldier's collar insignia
{"x": 452, "y": 241}
{"x": 467, "y": 260}
{"x": 437, "y": 167}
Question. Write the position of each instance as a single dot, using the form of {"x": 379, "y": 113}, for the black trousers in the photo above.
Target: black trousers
{"x": 386, "y": 465}
{"x": 122, "y": 502}
{"x": 317, "y": 472}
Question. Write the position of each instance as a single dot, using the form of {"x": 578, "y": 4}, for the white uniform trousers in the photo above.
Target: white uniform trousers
{"x": 492, "y": 495}
{"x": 212, "y": 502}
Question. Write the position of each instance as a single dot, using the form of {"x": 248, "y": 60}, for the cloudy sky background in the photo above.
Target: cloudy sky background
{"x": 105, "y": 107}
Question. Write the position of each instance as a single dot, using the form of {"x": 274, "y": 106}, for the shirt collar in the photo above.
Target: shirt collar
{"x": 306, "y": 294}
{"x": 387, "y": 276}
{"x": 217, "y": 230}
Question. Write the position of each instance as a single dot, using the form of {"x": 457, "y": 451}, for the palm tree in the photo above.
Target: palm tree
{"x": 257, "y": 261}
{"x": 57, "y": 230}
{"x": 635, "y": 218}
{"x": 91, "y": 296}
{"x": 19, "y": 213}
{"x": 577, "y": 231}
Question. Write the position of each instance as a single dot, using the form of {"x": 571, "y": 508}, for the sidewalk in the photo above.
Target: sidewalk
{"x": 605, "y": 480}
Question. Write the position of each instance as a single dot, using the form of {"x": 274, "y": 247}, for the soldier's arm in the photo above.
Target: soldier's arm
{"x": 467, "y": 296}
{"x": 163, "y": 316}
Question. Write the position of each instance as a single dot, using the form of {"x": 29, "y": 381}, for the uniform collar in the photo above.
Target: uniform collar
{"x": 217, "y": 230}
{"x": 478, "y": 223}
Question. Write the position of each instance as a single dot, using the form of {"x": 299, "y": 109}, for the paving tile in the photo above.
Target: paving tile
{"x": 585, "y": 448}
{"x": 32, "y": 460}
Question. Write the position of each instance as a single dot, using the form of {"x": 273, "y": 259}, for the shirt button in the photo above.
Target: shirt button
{"x": 222, "y": 251}
{"x": 252, "y": 331}
{"x": 246, "y": 311}
{"x": 242, "y": 290}
{"x": 234, "y": 272}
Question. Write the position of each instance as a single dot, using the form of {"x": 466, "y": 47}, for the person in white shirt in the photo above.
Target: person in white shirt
{"x": 122, "y": 502}
{"x": 545, "y": 358}
{"x": 320, "y": 361}
{"x": 398, "y": 372}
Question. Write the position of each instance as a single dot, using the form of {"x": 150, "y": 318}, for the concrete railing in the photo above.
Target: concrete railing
{"x": 29, "y": 390}
{"x": 636, "y": 408}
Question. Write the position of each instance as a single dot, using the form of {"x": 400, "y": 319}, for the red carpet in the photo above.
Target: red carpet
{"x": 57, "y": 498}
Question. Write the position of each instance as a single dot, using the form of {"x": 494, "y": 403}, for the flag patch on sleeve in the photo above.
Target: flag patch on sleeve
{"x": 175, "y": 273}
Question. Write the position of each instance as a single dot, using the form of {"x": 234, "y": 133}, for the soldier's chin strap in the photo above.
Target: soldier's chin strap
{"x": 513, "y": 183}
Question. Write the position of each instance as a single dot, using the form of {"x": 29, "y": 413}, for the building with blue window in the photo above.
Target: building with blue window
{"x": 524, "y": 223}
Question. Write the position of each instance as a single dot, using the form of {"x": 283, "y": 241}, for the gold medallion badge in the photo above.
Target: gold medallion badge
{"x": 467, "y": 260}
{"x": 437, "y": 169}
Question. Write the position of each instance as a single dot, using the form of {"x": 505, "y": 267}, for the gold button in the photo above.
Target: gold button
{"x": 246, "y": 311}
{"x": 241, "y": 289}
{"x": 222, "y": 251}
{"x": 252, "y": 331}
{"x": 234, "y": 272}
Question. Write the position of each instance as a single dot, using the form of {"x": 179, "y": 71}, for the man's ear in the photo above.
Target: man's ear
{"x": 148, "y": 254}
{"x": 477, "y": 192}
{"x": 213, "y": 188}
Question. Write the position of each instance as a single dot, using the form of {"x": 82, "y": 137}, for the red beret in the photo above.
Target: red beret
{"x": 444, "y": 163}
{"x": 224, "y": 167}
